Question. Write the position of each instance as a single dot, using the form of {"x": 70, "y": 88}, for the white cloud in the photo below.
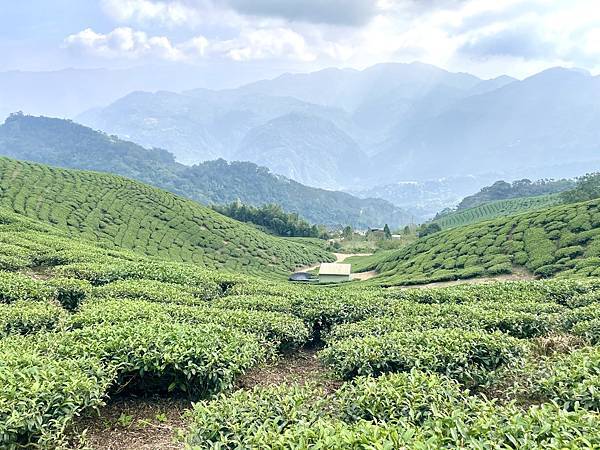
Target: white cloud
{"x": 251, "y": 44}
{"x": 170, "y": 13}
{"x": 256, "y": 44}
{"x": 123, "y": 42}
{"x": 486, "y": 37}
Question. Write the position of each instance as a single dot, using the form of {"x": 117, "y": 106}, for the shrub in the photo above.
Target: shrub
{"x": 69, "y": 292}
{"x": 463, "y": 355}
{"x": 14, "y": 287}
{"x": 571, "y": 380}
{"x": 413, "y": 396}
{"x": 41, "y": 395}
{"x": 26, "y": 317}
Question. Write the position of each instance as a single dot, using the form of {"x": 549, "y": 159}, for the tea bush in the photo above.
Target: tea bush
{"x": 433, "y": 414}
{"x": 26, "y": 317}
{"x": 467, "y": 356}
{"x": 282, "y": 330}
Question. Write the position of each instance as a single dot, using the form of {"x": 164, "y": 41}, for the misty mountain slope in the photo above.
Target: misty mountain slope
{"x": 349, "y": 88}
{"x": 415, "y": 122}
{"x": 67, "y": 144}
{"x": 491, "y": 85}
{"x": 67, "y": 92}
{"x": 304, "y": 148}
{"x": 198, "y": 125}
{"x": 550, "y": 118}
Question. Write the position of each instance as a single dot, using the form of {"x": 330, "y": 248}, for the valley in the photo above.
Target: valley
{"x": 299, "y": 225}
{"x": 120, "y": 294}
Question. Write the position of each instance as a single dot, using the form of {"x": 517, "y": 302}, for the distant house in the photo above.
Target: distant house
{"x": 334, "y": 273}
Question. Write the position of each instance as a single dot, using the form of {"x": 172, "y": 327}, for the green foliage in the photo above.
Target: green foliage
{"x": 14, "y": 286}
{"x": 414, "y": 396}
{"x": 120, "y": 213}
{"x": 26, "y": 317}
{"x": 587, "y": 188}
{"x": 464, "y": 355}
{"x": 69, "y": 292}
{"x": 549, "y": 242}
{"x": 571, "y": 380}
{"x": 66, "y": 144}
{"x": 41, "y": 395}
{"x": 273, "y": 218}
{"x": 282, "y": 330}
{"x": 493, "y": 209}
{"x": 501, "y": 190}
{"x": 428, "y": 228}
{"x": 82, "y": 319}
{"x": 412, "y": 410}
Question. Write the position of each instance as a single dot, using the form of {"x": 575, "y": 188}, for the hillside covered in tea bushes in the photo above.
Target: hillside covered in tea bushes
{"x": 563, "y": 240}
{"x": 120, "y": 213}
{"x": 84, "y": 328}
{"x": 493, "y": 209}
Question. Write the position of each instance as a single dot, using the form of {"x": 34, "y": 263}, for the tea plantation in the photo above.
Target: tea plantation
{"x": 120, "y": 213}
{"x": 88, "y": 315}
{"x": 562, "y": 240}
{"x": 495, "y": 209}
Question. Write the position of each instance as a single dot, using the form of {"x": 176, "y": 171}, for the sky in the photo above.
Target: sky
{"x": 267, "y": 37}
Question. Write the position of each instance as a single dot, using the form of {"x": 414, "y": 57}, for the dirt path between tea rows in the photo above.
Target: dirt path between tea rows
{"x": 154, "y": 423}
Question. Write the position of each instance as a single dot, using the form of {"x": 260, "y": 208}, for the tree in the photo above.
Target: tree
{"x": 347, "y": 232}
{"x": 429, "y": 228}
{"x": 406, "y": 230}
{"x": 386, "y": 232}
{"x": 587, "y": 188}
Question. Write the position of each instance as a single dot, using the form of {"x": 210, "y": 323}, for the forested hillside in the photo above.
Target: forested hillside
{"x": 67, "y": 144}
{"x": 120, "y": 213}
{"x": 562, "y": 240}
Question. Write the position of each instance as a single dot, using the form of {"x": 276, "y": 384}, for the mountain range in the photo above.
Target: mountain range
{"x": 345, "y": 128}
{"x": 67, "y": 144}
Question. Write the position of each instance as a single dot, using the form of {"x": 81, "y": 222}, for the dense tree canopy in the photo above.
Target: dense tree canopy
{"x": 273, "y": 218}
{"x": 588, "y": 188}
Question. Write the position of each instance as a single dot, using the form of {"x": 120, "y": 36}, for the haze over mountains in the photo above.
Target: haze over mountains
{"x": 343, "y": 128}
{"x": 366, "y": 131}
{"x": 63, "y": 143}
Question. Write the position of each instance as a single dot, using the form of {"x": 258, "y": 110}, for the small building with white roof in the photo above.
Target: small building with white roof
{"x": 334, "y": 273}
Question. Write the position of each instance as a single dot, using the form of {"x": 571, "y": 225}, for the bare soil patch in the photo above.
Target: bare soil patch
{"x": 135, "y": 423}
{"x": 340, "y": 257}
{"x": 363, "y": 275}
{"x": 301, "y": 367}
{"x": 38, "y": 273}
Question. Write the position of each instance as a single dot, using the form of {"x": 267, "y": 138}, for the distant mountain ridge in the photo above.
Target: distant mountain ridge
{"x": 67, "y": 144}
{"x": 414, "y": 122}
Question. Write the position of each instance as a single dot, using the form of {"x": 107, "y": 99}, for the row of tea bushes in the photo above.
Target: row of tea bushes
{"x": 559, "y": 240}
{"x": 283, "y": 331}
{"x": 408, "y": 410}
{"x": 467, "y": 356}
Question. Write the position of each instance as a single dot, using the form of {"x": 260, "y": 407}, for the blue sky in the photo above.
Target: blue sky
{"x": 487, "y": 38}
